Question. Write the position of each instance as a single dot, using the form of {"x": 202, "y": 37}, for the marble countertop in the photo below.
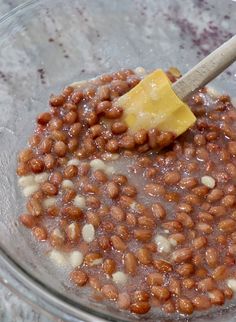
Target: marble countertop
{"x": 12, "y": 308}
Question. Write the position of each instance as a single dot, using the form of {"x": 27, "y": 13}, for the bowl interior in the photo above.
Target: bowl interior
{"x": 46, "y": 45}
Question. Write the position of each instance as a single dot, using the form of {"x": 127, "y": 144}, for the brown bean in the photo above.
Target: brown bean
{"x": 142, "y": 235}
{"x": 188, "y": 283}
{"x": 73, "y": 231}
{"x": 155, "y": 279}
{"x": 199, "y": 242}
{"x": 144, "y": 256}
{"x": 172, "y": 226}
{"x": 79, "y": 277}
{"x": 49, "y": 161}
{"x": 110, "y": 291}
{"x": 201, "y": 302}
{"x": 172, "y": 177}
{"x": 34, "y": 207}
{"x": 103, "y": 242}
{"x": 185, "y": 219}
{"x": 145, "y": 221}
{"x": 200, "y": 191}
{"x": 205, "y": 217}
{"x": 215, "y": 195}
{"x": 182, "y": 255}
{"x": 109, "y": 266}
{"x": 158, "y": 211}
{"x": 70, "y": 171}
{"x": 217, "y": 297}
{"x": 232, "y": 147}
{"x": 130, "y": 263}
{"x": 95, "y": 283}
{"x": 184, "y": 207}
{"x": 36, "y": 165}
{"x": 123, "y": 301}
{"x": 178, "y": 237}
{"x": 160, "y": 292}
{"x": 140, "y": 296}
{"x": 174, "y": 286}
{"x": 112, "y": 190}
{"x": 185, "y": 306}
{"x": 60, "y": 148}
{"x": 118, "y": 243}
{"x": 49, "y": 189}
{"x": 140, "y": 307}
{"x": 123, "y": 232}
{"x": 117, "y": 213}
{"x": 90, "y": 258}
{"x": 57, "y": 101}
{"x": 162, "y": 266}
{"x": 188, "y": 183}
{"x": 154, "y": 189}
{"x": 185, "y": 269}
{"x": 40, "y": 233}
{"x": 57, "y": 238}
{"x": 119, "y": 127}
{"x": 228, "y": 293}
{"x": 140, "y": 137}
{"x": 220, "y": 273}
{"x": 207, "y": 284}
{"x": 72, "y": 212}
{"x": 129, "y": 190}
{"x": 204, "y": 228}
{"x": 28, "y": 221}
{"x": 227, "y": 225}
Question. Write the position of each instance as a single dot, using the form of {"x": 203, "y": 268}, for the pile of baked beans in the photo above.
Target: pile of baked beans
{"x": 141, "y": 227}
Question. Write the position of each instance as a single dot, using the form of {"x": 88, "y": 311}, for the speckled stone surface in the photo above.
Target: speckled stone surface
{"x": 12, "y": 308}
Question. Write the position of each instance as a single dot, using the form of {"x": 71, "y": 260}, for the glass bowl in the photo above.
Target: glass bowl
{"x": 46, "y": 45}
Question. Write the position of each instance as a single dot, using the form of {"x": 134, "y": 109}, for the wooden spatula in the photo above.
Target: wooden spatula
{"x": 157, "y": 103}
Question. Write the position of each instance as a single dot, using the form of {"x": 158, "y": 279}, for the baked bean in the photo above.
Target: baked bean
{"x": 217, "y": 211}
{"x": 117, "y": 213}
{"x": 172, "y": 177}
{"x": 201, "y": 302}
{"x": 215, "y": 195}
{"x": 207, "y": 284}
{"x": 131, "y": 219}
{"x": 140, "y": 137}
{"x": 144, "y": 256}
{"x": 205, "y": 217}
{"x": 72, "y": 212}
{"x": 192, "y": 199}
{"x": 182, "y": 255}
{"x": 228, "y": 293}
{"x": 140, "y": 307}
{"x": 60, "y": 148}
{"x": 185, "y": 269}
{"x": 57, "y": 101}
{"x": 103, "y": 242}
{"x": 185, "y": 306}
{"x": 109, "y": 266}
{"x": 142, "y": 235}
{"x": 228, "y": 201}
{"x": 178, "y": 238}
{"x": 172, "y": 226}
{"x": 28, "y": 221}
{"x": 227, "y": 225}
{"x": 221, "y": 239}
{"x": 217, "y": 297}
{"x": 204, "y": 228}
{"x": 70, "y": 171}
{"x": 110, "y": 291}
{"x": 57, "y": 238}
{"x": 40, "y": 233}
{"x": 123, "y": 301}
{"x": 199, "y": 242}
{"x": 119, "y": 127}
{"x": 200, "y": 191}
{"x": 112, "y": 190}
{"x": 113, "y": 113}
{"x": 185, "y": 219}
{"x": 188, "y": 183}
{"x": 220, "y": 273}
{"x": 140, "y": 296}
{"x": 79, "y": 277}
{"x": 154, "y": 189}
{"x": 36, "y": 165}
{"x": 155, "y": 279}
{"x": 130, "y": 263}
{"x": 118, "y": 243}
{"x": 162, "y": 266}
{"x": 232, "y": 147}
{"x": 188, "y": 283}
{"x": 158, "y": 211}
{"x": 145, "y": 221}
{"x": 174, "y": 286}
{"x": 49, "y": 189}
{"x": 160, "y": 292}
{"x": 123, "y": 232}
{"x": 49, "y": 161}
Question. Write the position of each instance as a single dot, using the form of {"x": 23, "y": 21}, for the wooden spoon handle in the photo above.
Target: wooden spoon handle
{"x": 208, "y": 69}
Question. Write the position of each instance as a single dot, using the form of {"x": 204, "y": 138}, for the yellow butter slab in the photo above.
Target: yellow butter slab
{"x": 154, "y": 104}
